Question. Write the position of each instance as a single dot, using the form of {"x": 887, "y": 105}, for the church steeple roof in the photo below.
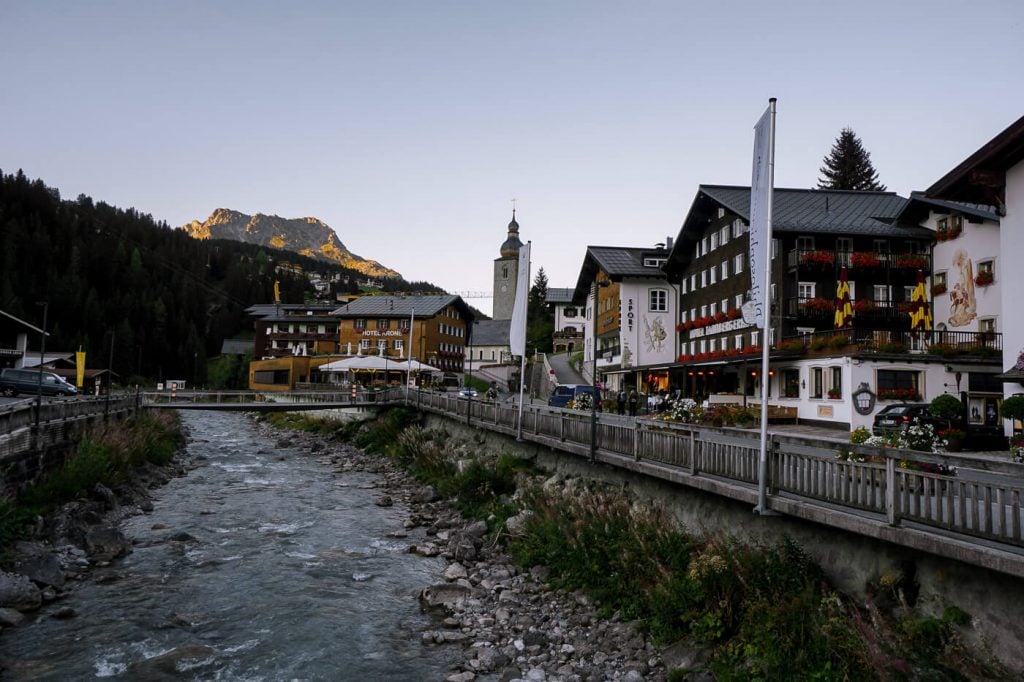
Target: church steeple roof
{"x": 512, "y": 244}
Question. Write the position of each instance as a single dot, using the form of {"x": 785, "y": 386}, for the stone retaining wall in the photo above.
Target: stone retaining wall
{"x": 852, "y": 562}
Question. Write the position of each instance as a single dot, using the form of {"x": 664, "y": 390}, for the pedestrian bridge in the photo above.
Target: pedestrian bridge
{"x": 271, "y": 401}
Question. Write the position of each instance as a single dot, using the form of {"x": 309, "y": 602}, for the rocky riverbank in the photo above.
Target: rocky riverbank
{"x": 81, "y": 540}
{"x": 508, "y": 622}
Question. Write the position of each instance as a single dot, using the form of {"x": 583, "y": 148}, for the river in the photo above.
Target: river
{"x": 292, "y": 576}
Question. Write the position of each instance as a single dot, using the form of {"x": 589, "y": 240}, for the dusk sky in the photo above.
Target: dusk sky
{"x": 409, "y": 126}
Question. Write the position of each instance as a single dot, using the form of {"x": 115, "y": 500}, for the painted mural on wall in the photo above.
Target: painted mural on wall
{"x": 963, "y": 306}
{"x": 654, "y": 334}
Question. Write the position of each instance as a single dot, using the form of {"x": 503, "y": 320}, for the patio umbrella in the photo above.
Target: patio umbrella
{"x": 920, "y": 312}
{"x": 417, "y": 366}
{"x": 844, "y": 309}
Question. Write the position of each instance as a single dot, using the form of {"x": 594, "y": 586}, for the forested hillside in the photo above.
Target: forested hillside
{"x": 167, "y": 299}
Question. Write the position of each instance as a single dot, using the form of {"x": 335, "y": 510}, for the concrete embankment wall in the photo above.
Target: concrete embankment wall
{"x": 853, "y": 562}
{"x": 29, "y": 451}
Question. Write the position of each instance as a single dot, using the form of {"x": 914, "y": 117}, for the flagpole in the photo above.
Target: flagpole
{"x": 408, "y": 355}
{"x": 522, "y": 362}
{"x": 762, "y": 473}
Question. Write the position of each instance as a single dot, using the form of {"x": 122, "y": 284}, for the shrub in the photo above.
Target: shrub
{"x": 859, "y": 435}
{"x": 947, "y": 407}
{"x": 1012, "y": 407}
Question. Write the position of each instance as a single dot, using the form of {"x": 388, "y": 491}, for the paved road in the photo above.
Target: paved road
{"x": 563, "y": 372}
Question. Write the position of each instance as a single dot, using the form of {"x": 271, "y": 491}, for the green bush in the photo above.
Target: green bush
{"x": 1012, "y": 407}
{"x": 947, "y": 407}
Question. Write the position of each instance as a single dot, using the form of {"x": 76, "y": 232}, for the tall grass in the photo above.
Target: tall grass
{"x": 107, "y": 455}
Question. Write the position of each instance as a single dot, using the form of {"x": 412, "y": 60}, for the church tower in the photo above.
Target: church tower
{"x": 506, "y": 273}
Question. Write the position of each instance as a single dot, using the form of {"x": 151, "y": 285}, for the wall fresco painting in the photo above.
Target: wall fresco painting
{"x": 963, "y": 307}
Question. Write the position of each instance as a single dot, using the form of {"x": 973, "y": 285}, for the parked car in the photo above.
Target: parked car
{"x": 468, "y": 392}
{"x": 27, "y": 381}
{"x": 894, "y": 418}
{"x": 564, "y": 393}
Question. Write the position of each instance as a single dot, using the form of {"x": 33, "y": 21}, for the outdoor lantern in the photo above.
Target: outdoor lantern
{"x": 863, "y": 399}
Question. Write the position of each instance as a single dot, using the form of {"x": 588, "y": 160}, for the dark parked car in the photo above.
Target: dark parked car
{"x": 564, "y": 393}
{"x": 898, "y": 417}
{"x": 15, "y": 381}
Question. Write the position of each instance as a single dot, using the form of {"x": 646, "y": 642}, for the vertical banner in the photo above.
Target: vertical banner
{"x": 80, "y": 369}
{"x": 760, "y": 210}
{"x": 517, "y": 330}
{"x": 277, "y": 291}
{"x": 761, "y": 187}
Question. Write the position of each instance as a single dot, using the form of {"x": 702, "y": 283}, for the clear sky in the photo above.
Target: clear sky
{"x": 409, "y": 126}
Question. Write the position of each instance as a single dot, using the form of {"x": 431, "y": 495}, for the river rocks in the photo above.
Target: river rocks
{"x": 384, "y": 501}
{"x": 39, "y": 564}
{"x": 443, "y": 594}
{"x": 19, "y": 593}
{"x": 10, "y": 617}
{"x": 455, "y": 572}
{"x": 106, "y": 496}
{"x": 105, "y": 543}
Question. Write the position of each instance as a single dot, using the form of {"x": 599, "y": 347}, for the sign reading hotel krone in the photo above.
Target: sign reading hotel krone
{"x": 383, "y": 332}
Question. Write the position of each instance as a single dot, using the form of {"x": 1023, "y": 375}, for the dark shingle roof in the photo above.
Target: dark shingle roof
{"x": 401, "y": 306}
{"x": 292, "y": 310}
{"x": 817, "y": 210}
{"x": 998, "y": 155}
{"x": 558, "y": 296}
{"x": 618, "y": 262}
{"x": 804, "y": 211}
{"x": 235, "y": 347}
{"x": 490, "y": 333}
{"x": 919, "y": 205}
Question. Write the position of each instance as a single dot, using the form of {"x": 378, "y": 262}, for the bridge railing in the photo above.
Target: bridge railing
{"x": 970, "y": 495}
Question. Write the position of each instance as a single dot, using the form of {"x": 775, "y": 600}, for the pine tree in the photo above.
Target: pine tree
{"x": 540, "y": 320}
{"x": 848, "y": 166}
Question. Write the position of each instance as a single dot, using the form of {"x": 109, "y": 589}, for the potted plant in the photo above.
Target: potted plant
{"x": 835, "y": 393}
{"x": 1012, "y": 408}
{"x": 954, "y": 439}
{"x": 984, "y": 278}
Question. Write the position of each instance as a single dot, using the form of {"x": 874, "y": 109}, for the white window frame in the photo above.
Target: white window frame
{"x": 725, "y": 269}
{"x": 657, "y": 300}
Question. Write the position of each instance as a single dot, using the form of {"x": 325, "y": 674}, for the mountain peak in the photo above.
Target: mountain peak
{"x": 307, "y": 236}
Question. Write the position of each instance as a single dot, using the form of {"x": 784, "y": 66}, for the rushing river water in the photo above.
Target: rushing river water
{"x": 292, "y": 577}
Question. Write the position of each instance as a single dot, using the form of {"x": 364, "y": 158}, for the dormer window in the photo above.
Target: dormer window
{"x": 654, "y": 261}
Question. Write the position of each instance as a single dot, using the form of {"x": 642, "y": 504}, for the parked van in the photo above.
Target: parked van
{"x": 564, "y": 393}
{"x": 15, "y": 381}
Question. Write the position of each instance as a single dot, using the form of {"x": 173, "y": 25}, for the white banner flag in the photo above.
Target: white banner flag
{"x": 517, "y": 330}
{"x": 760, "y": 213}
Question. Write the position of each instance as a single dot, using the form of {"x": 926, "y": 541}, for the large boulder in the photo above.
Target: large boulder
{"x": 443, "y": 595}
{"x": 40, "y": 565}
{"x": 105, "y": 543}
{"x": 19, "y": 593}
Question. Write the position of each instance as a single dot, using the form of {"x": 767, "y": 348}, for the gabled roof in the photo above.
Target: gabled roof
{"x": 402, "y": 306}
{"x": 559, "y": 296}
{"x": 803, "y": 211}
{"x": 235, "y": 347}
{"x": 618, "y": 262}
{"x": 917, "y": 208}
{"x": 982, "y": 176}
{"x": 491, "y": 333}
{"x": 290, "y": 310}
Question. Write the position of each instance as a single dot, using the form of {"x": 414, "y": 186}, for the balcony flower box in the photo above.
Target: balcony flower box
{"x": 865, "y": 259}
{"x": 835, "y": 393}
{"x": 863, "y": 305}
{"x": 735, "y": 313}
{"x": 938, "y": 288}
{"x": 911, "y": 262}
{"x": 906, "y": 394}
{"x": 984, "y": 279}
{"x": 818, "y": 304}
{"x": 792, "y": 346}
{"x": 819, "y": 258}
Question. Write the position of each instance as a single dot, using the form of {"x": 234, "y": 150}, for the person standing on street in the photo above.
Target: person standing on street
{"x": 621, "y": 401}
{"x": 632, "y": 403}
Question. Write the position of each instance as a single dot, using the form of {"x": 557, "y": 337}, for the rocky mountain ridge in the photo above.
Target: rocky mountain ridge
{"x": 305, "y": 236}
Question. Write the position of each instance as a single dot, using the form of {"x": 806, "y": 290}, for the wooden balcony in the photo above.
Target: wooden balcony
{"x": 857, "y": 263}
{"x": 943, "y": 344}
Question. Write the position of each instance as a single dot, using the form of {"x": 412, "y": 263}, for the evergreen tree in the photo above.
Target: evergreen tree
{"x": 540, "y": 319}
{"x": 848, "y": 166}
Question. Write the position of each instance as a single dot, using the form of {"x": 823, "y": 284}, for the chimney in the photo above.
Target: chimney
{"x": 668, "y": 243}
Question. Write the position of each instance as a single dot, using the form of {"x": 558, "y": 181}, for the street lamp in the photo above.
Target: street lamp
{"x": 593, "y": 359}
